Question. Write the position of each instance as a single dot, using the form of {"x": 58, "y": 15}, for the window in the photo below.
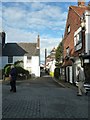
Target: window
{"x": 78, "y": 41}
{"x": 78, "y": 36}
{"x": 28, "y": 59}
{"x": 10, "y": 59}
{"x": 68, "y": 29}
{"x": 67, "y": 51}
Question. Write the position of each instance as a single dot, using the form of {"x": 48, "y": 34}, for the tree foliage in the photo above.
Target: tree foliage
{"x": 18, "y": 63}
{"x": 59, "y": 52}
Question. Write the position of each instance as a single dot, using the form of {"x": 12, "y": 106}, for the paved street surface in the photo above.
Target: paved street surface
{"x": 43, "y": 98}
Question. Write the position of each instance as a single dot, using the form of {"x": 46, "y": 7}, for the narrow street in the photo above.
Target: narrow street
{"x": 43, "y": 98}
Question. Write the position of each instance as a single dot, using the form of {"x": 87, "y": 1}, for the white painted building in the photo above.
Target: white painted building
{"x": 50, "y": 62}
{"x": 87, "y": 32}
{"x": 86, "y": 26}
{"x": 29, "y": 53}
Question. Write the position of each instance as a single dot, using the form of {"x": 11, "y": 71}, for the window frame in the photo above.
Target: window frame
{"x": 10, "y": 59}
{"x": 78, "y": 38}
{"x": 68, "y": 29}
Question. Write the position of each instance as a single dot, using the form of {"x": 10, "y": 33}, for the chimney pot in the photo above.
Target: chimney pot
{"x": 38, "y": 42}
{"x": 81, "y": 3}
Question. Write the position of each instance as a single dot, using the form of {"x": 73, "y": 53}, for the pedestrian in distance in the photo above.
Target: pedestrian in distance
{"x": 81, "y": 80}
{"x": 13, "y": 76}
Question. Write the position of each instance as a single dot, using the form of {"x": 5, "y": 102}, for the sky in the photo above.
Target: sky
{"x": 23, "y": 20}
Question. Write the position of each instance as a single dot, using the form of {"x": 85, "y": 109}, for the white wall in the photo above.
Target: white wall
{"x": 25, "y": 62}
{"x": 28, "y": 64}
{"x": 87, "y": 32}
{"x": 16, "y": 58}
{"x": 5, "y": 60}
{"x": 52, "y": 66}
{"x": 70, "y": 73}
{"x": 35, "y": 66}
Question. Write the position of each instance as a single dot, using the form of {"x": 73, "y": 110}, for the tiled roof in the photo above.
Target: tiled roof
{"x": 20, "y": 49}
{"x": 30, "y": 48}
{"x": 80, "y": 10}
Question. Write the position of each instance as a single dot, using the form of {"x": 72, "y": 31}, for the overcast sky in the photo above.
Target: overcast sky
{"x": 23, "y": 21}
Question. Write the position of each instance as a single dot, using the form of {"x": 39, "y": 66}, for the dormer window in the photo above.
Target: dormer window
{"x": 68, "y": 29}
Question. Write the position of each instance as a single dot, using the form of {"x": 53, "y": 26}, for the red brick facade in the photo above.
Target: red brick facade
{"x": 74, "y": 21}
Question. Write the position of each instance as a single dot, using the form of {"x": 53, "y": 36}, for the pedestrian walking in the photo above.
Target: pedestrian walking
{"x": 13, "y": 76}
{"x": 81, "y": 80}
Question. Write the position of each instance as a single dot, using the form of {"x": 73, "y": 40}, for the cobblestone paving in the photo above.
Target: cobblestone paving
{"x": 43, "y": 98}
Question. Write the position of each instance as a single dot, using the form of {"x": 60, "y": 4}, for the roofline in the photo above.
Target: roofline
{"x": 75, "y": 12}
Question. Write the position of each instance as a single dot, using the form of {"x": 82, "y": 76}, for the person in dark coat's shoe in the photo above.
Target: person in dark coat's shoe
{"x": 13, "y": 76}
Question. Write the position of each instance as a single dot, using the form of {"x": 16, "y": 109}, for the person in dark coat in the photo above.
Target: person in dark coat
{"x": 13, "y": 76}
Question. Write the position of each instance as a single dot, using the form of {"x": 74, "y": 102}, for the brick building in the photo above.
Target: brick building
{"x": 76, "y": 41}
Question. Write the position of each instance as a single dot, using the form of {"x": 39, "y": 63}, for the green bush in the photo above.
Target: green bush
{"x": 21, "y": 72}
{"x": 7, "y": 69}
{"x": 57, "y": 73}
{"x": 18, "y": 63}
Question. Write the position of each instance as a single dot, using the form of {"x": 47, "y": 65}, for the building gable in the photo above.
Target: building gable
{"x": 75, "y": 15}
{"x": 20, "y": 49}
{"x": 13, "y": 49}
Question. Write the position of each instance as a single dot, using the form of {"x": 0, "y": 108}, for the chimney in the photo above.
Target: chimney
{"x": 81, "y": 3}
{"x": 38, "y": 42}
